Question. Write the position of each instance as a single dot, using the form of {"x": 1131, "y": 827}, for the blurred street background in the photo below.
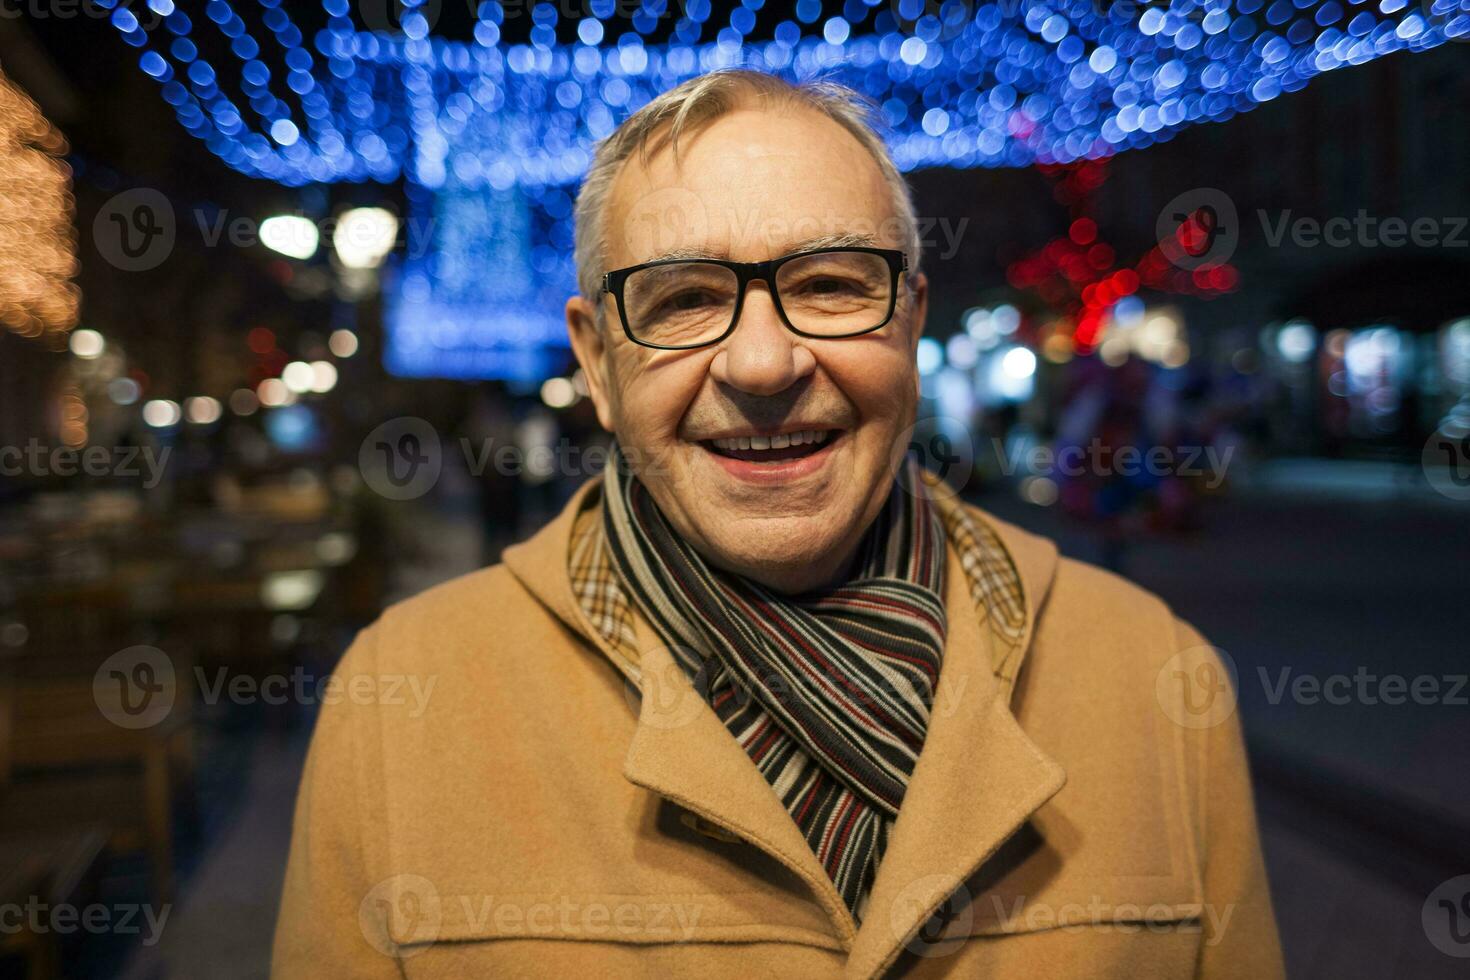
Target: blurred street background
{"x": 281, "y": 344}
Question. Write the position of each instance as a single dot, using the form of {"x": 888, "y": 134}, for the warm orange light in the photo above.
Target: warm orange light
{"x": 37, "y": 296}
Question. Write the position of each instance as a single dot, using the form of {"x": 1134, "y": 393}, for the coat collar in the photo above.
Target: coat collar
{"x": 948, "y": 826}
{"x": 978, "y": 779}
{"x": 540, "y": 564}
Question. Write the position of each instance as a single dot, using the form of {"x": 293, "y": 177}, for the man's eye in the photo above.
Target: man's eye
{"x": 689, "y": 299}
{"x": 829, "y": 287}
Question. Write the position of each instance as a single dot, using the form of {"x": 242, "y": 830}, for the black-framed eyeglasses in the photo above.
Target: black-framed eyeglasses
{"x": 824, "y": 293}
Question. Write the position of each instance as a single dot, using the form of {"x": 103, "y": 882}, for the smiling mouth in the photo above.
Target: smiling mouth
{"x": 771, "y": 449}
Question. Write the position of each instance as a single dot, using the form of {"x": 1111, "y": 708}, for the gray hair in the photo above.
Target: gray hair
{"x": 699, "y": 101}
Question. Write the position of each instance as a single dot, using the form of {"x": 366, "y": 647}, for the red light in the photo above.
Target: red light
{"x": 1089, "y": 325}
{"x": 1196, "y": 234}
{"x": 1083, "y": 231}
{"x": 261, "y": 340}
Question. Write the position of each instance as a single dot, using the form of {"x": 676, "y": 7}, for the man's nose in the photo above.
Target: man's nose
{"x": 761, "y": 357}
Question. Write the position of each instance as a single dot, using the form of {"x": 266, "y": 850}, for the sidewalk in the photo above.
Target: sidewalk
{"x": 221, "y": 925}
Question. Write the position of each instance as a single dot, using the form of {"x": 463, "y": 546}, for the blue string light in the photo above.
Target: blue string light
{"x": 1003, "y": 84}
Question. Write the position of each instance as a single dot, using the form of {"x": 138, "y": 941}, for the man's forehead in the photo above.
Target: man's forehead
{"x": 749, "y": 188}
{"x": 720, "y": 250}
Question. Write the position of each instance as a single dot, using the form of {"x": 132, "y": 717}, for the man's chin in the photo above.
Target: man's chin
{"x": 793, "y": 532}
{"x": 790, "y": 554}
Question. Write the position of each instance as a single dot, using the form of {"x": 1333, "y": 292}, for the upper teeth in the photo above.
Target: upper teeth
{"x": 784, "y": 441}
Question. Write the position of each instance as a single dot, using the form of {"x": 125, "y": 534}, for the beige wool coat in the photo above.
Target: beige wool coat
{"x": 499, "y": 793}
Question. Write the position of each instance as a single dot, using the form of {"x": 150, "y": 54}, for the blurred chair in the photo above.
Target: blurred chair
{"x": 65, "y": 765}
{"x": 76, "y": 619}
{"x": 222, "y": 619}
{"x": 53, "y": 864}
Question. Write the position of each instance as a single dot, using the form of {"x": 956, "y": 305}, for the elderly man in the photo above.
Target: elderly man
{"x": 764, "y": 700}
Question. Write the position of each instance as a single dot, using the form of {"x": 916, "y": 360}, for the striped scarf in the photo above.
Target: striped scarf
{"x": 828, "y": 692}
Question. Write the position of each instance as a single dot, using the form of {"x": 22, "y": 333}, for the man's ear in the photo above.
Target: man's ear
{"x": 589, "y": 346}
{"x": 918, "y": 300}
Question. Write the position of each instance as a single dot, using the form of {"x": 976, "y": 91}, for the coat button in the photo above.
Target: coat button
{"x": 700, "y": 825}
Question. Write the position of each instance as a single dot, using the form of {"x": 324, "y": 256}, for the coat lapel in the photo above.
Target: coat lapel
{"x": 683, "y": 752}
{"x": 977, "y": 781}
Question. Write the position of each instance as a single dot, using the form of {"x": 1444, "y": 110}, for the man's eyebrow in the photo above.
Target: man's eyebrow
{"x": 691, "y": 252}
{"x": 830, "y": 241}
{"x": 805, "y": 245}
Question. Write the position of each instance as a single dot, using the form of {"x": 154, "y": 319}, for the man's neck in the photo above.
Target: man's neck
{"x": 795, "y": 579}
